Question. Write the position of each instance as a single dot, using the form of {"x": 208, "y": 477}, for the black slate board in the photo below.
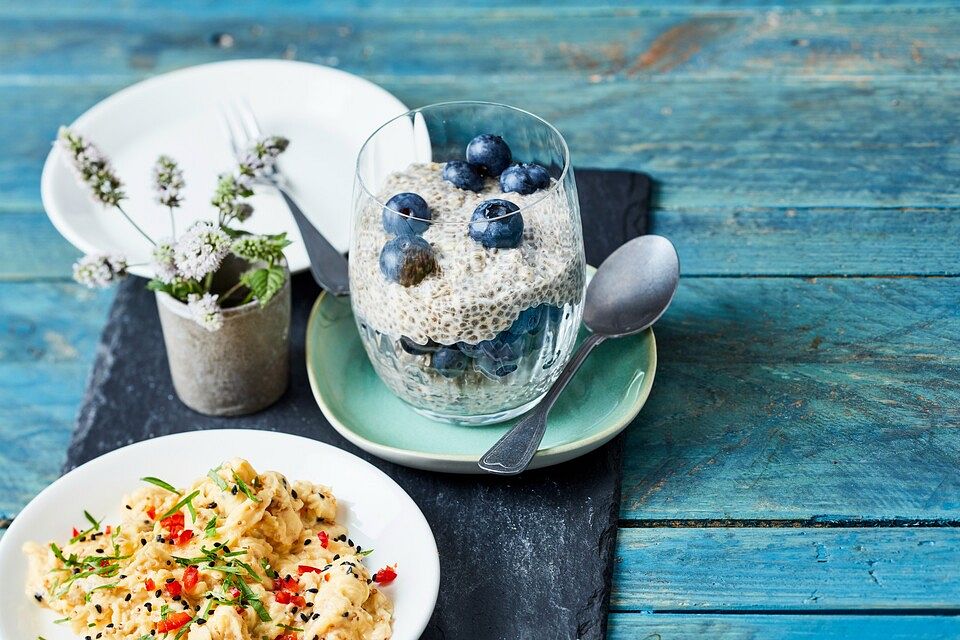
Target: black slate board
{"x": 521, "y": 558}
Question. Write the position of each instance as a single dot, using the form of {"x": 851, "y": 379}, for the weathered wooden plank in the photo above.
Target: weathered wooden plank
{"x": 787, "y": 241}
{"x": 876, "y": 143}
{"x": 789, "y": 398}
{"x": 631, "y": 626}
{"x": 802, "y": 42}
{"x": 684, "y": 570}
{"x": 48, "y": 335}
{"x": 31, "y": 248}
{"x": 426, "y": 8}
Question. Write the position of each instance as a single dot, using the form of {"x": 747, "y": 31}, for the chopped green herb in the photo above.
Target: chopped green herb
{"x": 193, "y": 512}
{"x": 183, "y": 631}
{"x": 210, "y": 530}
{"x": 61, "y": 620}
{"x": 164, "y": 611}
{"x": 160, "y": 483}
{"x": 93, "y": 521}
{"x": 181, "y": 503}
{"x": 365, "y": 552}
{"x": 243, "y": 487}
{"x": 220, "y": 482}
{"x": 249, "y": 570}
{"x": 254, "y": 601}
{"x": 103, "y": 586}
{"x": 287, "y": 627}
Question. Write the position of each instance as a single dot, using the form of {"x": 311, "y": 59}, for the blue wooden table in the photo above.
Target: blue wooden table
{"x": 796, "y": 473}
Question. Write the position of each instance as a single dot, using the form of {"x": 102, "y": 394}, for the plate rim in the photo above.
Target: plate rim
{"x": 543, "y": 457}
{"x": 56, "y": 214}
{"x": 19, "y": 522}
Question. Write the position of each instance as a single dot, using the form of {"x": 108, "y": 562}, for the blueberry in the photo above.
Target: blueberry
{"x": 489, "y": 152}
{"x": 407, "y": 260}
{"x": 524, "y": 178}
{"x": 417, "y": 349}
{"x": 449, "y": 362}
{"x": 470, "y": 350}
{"x": 491, "y": 229}
{"x": 496, "y": 368}
{"x": 463, "y": 175}
{"x": 528, "y": 321}
{"x": 415, "y": 212}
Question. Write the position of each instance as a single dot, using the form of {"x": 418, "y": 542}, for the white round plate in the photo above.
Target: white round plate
{"x": 326, "y": 113}
{"x": 377, "y": 512}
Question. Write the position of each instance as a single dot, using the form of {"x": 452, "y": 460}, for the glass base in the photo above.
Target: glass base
{"x": 474, "y": 421}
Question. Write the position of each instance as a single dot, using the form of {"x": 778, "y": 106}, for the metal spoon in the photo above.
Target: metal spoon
{"x": 630, "y": 291}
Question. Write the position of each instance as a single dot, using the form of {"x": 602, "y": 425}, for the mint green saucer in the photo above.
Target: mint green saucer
{"x": 599, "y": 402}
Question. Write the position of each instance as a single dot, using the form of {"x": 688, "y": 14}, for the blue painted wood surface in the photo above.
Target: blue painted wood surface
{"x": 796, "y": 473}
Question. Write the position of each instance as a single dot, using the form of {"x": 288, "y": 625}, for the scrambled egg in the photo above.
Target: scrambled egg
{"x": 239, "y": 555}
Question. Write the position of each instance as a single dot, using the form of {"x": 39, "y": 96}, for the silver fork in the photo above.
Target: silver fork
{"x": 328, "y": 266}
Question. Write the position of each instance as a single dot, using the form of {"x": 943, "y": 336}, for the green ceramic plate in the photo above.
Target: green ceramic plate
{"x": 599, "y": 402}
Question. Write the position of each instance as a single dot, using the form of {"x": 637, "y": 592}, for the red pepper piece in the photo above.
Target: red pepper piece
{"x": 150, "y": 584}
{"x": 173, "y": 621}
{"x": 298, "y": 601}
{"x": 385, "y": 576}
{"x": 174, "y": 588}
{"x": 174, "y": 524}
{"x": 283, "y": 597}
{"x": 286, "y": 636}
{"x": 190, "y": 578}
{"x": 324, "y": 539}
{"x": 303, "y": 568}
{"x": 185, "y": 537}
{"x": 152, "y": 513}
{"x": 75, "y": 532}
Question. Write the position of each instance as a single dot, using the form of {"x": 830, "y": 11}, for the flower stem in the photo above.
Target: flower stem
{"x": 173, "y": 226}
{"x": 230, "y": 292}
{"x": 135, "y": 225}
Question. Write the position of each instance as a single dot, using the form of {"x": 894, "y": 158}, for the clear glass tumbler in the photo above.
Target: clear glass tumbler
{"x": 467, "y": 309}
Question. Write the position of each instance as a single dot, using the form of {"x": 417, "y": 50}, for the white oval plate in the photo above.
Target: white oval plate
{"x": 326, "y": 113}
{"x": 377, "y": 512}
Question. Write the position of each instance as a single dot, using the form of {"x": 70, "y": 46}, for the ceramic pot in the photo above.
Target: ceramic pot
{"x": 242, "y": 368}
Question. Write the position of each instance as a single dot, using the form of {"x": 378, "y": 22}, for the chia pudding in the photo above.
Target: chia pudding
{"x": 461, "y": 325}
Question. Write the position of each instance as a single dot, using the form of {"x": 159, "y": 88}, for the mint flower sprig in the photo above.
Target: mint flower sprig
{"x": 168, "y": 182}
{"x": 94, "y": 170}
{"x": 185, "y": 267}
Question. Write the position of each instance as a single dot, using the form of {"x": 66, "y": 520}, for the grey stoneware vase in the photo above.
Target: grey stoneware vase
{"x": 243, "y": 367}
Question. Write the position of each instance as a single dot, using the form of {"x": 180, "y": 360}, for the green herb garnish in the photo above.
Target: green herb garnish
{"x": 220, "y": 482}
{"x": 103, "y": 586}
{"x": 243, "y": 487}
{"x": 181, "y": 503}
{"x": 254, "y": 601}
{"x": 210, "y": 530}
{"x": 287, "y": 627}
{"x": 160, "y": 483}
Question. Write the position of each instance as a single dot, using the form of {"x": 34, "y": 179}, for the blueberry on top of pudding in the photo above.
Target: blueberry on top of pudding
{"x": 415, "y": 218}
{"x": 495, "y": 224}
{"x": 463, "y": 175}
{"x": 524, "y": 178}
{"x": 489, "y": 152}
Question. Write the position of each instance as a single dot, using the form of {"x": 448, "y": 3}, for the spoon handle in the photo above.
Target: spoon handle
{"x": 514, "y": 451}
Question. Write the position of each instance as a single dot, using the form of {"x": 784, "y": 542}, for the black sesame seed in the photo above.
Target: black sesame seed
{"x": 169, "y": 580}
{"x": 295, "y": 609}
{"x": 98, "y": 608}
{"x": 201, "y": 621}
{"x": 212, "y": 505}
{"x": 143, "y": 542}
{"x": 294, "y": 494}
{"x": 304, "y": 617}
{"x": 148, "y": 606}
{"x": 127, "y": 599}
{"x": 307, "y": 541}
{"x": 346, "y": 614}
{"x": 38, "y": 597}
{"x": 110, "y": 626}
{"x": 314, "y": 590}
{"x": 234, "y": 490}
{"x": 157, "y": 593}
{"x": 128, "y": 507}
{"x": 315, "y": 616}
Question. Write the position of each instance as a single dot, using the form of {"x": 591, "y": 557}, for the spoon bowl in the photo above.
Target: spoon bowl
{"x": 630, "y": 291}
